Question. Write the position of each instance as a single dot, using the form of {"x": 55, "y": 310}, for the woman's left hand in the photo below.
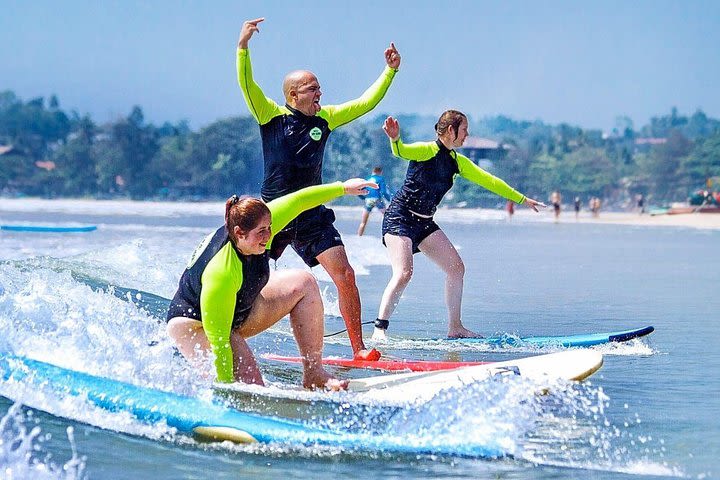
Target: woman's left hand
{"x": 534, "y": 204}
{"x": 358, "y": 186}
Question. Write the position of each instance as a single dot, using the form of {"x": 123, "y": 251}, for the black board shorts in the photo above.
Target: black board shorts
{"x": 181, "y": 308}
{"x": 310, "y": 234}
{"x": 401, "y": 222}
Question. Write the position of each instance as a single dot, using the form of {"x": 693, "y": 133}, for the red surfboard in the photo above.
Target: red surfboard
{"x": 382, "y": 364}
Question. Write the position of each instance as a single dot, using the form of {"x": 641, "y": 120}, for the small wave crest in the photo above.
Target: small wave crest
{"x": 22, "y": 454}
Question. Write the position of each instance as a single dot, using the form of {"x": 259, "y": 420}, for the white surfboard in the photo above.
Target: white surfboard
{"x": 567, "y": 365}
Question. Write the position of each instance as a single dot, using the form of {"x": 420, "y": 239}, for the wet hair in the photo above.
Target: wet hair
{"x": 244, "y": 212}
{"x": 377, "y": 170}
{"x": 450, "y": 118}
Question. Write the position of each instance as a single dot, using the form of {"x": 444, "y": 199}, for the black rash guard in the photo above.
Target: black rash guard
{"x": 255, "y": 274}
{"x": 293, "y": 149}
{"x": 431, "y": 173}
{"x": 294, "y": 143}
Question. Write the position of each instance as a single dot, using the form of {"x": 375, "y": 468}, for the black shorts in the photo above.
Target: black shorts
{"x": 310, "y": 234}
{"x": 180, "y": 308}
{"x": 401, "y": 222}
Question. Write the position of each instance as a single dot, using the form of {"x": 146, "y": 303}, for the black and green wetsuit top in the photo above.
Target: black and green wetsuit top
{"x": 220, "y": 284}
{"x": 432, "y": 171}
{"x": 294, "y": 143}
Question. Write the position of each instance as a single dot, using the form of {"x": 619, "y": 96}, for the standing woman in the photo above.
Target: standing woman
{"x": 556, "y": 200}
{"x": 226, "y": 293}
{"x": 408, "y": 225}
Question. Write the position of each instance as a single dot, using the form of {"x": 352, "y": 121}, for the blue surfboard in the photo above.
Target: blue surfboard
{"x": 581, "y": 340}
{"x": 47, "y": 229}
{"x": 211, "y": 419}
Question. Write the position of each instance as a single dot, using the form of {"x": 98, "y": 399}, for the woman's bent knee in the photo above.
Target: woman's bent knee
{"x": 460, "y": 268}
{"x": 403, "y": 277}
{"x": 304, "y": 283}
{"x": 179, "y": 327}
{"x": 456, "y": 270}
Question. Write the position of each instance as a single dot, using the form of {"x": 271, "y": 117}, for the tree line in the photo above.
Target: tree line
{"x": 48, "y": 152}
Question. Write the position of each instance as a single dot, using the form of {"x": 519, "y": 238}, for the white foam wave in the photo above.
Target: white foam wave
{"x": 637, "y": 347}
{"x": 50, "y": 317}
{"x": 113, "y": 207}
{"x": 21, "y": 448}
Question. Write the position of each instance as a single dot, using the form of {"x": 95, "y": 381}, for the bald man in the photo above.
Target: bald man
{"x": 293, "y": 141}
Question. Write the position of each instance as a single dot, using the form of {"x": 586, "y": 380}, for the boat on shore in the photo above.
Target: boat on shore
{"x": 693, "y": 209}
{"x": 701, "y": 201}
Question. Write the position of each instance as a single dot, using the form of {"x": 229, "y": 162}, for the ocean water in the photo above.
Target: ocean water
{"x": 93, "y": 302}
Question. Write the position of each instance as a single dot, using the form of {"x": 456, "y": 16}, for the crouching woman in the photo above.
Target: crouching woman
{"x": 226, "y": 293}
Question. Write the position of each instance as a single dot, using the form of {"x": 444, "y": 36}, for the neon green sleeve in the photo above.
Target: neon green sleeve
{"x": 419, "y": 151}
{"x": 289, "y": 206}
{"x": 261, "y": 107}
{"x": 339, "y": 115}
{"x": 221, "y": 281}
{"x": 496, "y": 185}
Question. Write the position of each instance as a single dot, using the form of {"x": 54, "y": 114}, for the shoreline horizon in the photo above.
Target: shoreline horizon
{"x": 704, "y": 221}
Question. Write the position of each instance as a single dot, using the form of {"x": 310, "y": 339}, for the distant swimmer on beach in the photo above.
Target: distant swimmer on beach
{"x": 578, "y": 206}
{"x": 293, "y": 142}
{"x": 510, "y": 208}
{"x": 227, "y": 294}
{"x": 556, "y": 201}
{"x": 408, "y": 226}
{"x": 374, "y": 198}
{"x": 640, "y": 203}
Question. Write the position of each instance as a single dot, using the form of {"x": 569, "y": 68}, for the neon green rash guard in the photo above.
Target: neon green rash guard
{"x": 220, "y": 284}
{"x": 294, "y": 143}
{"x": 432, "y": 171}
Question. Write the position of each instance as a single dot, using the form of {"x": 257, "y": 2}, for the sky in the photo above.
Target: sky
{"x": 580, "y": 62}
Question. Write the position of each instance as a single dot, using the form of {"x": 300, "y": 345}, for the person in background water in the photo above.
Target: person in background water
{"x": 510, "y": 208}
{"x": 293, "y": 142}
{"x": 374, "y": 199}
{"x": 408, "y": 225}
{"x": 556, "y": 201}
{"x": 578, "y": 205}
{"x": 226, "y": 294}
{"x": 641, "y": 203}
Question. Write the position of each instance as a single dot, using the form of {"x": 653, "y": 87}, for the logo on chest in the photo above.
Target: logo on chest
{"x": 316, "y": 133}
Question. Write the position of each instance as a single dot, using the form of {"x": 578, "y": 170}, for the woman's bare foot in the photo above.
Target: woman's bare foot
{"x": 319, "y": 378}
{"x": 336, "y": 385}
{"x": 462, "y": 332}
{"x": 379, "y": 335}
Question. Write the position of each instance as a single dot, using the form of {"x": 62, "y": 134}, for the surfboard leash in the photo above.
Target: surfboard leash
{"x": 345, "y": 329}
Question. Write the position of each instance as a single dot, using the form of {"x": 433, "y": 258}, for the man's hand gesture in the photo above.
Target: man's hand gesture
{"x": 248, "y": 28}
{"x": 392, "y": 56}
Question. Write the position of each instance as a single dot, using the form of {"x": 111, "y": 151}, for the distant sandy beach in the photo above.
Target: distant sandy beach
{"x": 706, "y": 221}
